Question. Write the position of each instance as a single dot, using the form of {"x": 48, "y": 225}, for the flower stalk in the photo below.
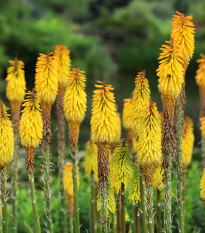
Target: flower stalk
{"x": 150, "y": 221}
{"x": 143, "y": 203}
{"x": 4, "y": 201}
{"x": 34, "y": 203}
{"x": 93, "y": 204}
{"x": 159, "y": 215}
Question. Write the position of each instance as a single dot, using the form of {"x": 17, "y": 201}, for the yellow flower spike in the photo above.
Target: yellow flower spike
{"x": 31, "y": 127}
{"x": 187, "y": 142}
{"x": 127, "y": 114}
{"x": 200, "y": 74}
{"x": 68, "y": 186}
{"x": 111, "y": 200}
{"x": 15, "y": 90}
{"x": 149, "y": 143}
{"x": 158, "y": 178}
{"x": 127, "y": 122}
{"x": 203, "y": 126}
{"x": 7, "y": 138}
{"x": 75, "y": 97}
{"x": 120, "y": 170}
{"x": 62, "y": 55}
{"x": 91, "y": 163}
{"x": 200, "y": 79}
{"x": 134, "y": 193}
{"x": 103, "y": 120}
{"x": 75, "y": 100}
{"x": 118, "y": 130}
{"x": 46, "y": 78}
{"x": 141, "y": 96}
{"x": 183, "y": 34}
{"x": 170, "y": 73}
{"x": 16, "y": 87}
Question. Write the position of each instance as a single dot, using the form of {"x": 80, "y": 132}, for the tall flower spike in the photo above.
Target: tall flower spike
{"x": 120, "y": 170}
{"x": 134, "y": 193}
{"x": 91, "y": 163}
{"x": 187, "y": 142}
{"x": 202, "y": 186}
{"x": 149, "y": 135}
{"x": 183, "y": 34}
{"x": 103, "y": 120}
{"x": 62, "y": 55}
{"x": 46, "y": 84}
{"x": 15, "y": 90}
{"x": 118, "y": 130}
{"x": 141, "y": 96}
{"x": 46, "y": 78}
{"x": 127, "y": 122}
{"x": 7, "y": 138}
{"x": 75, "y": 104}
{"x": 31, "y": 126}
{"x": 200, "y": 79}
{"x": 103, "y": 132}
{"x": 170, "y": 73}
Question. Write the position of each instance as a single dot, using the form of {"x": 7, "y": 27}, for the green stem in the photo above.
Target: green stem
{"x": 143, "y": 203}
{"x": 134, "y": 219}
{"x": 185, "y": 202}
{"x": 47, "y": 183}
{"x": 4, "y": 201}
{"x": 93, "y": 204}
{"x": 123, "y": 208}
{"x": 150, "y": 209}
{"x": 137, "y": 214}
{"x": 159, "y": 217}
{"x": 179, "y": 130}
{"x": 34, "y": 204}
{"x": 118, "y": 203}
{"x": 104, "y": 214}
{"x": 71, "y": 224}
{"x": 113, "y": 222}
{"x": 75, "y": 193}
{"x": 14, "y": 181}
{"x": 167, "y": 196}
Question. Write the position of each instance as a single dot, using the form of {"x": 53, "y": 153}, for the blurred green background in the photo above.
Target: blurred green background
{"x": 111, "y": 40}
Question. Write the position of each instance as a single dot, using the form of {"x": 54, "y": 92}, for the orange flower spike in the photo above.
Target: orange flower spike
{"x": 183, "y": 34}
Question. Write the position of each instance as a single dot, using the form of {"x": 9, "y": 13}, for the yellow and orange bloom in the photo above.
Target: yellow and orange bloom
{"x": 170, "y": 73}
{"x": 187, "y": 142}
{"x": 62, "y": 55}
{"x": 91, "y": 163}
{"x": 31, "y": 127}
{"x": 7, "y": 137}
{"x": 46, "y": 78}
{"x": 15, "y": 90}
{"x": 141, "y": 96}
{"x": 183, "y": 34}
{"x": 103, "y": 120}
